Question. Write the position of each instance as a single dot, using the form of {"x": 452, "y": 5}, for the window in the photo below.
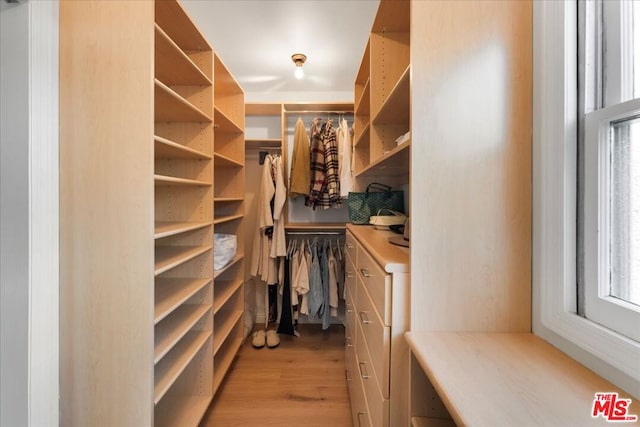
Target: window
{"x": 611, "y": 208}
{"x": 555, "y": 191}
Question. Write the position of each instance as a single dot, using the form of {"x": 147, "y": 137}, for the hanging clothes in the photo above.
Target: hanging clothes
{"x": 325, "y": 179}
{"x": 261, "y": 244}
{"x": 279, "y": 243}
{"x": 345, "y": 152}
{"x": 286, "y": 317}
{"x": 269, "y": 239}
{"x": 300, "y": 162}
{"x": 315, "y": 295}
{"x": 317, "y": 170}
{"x": 331, "y": 164}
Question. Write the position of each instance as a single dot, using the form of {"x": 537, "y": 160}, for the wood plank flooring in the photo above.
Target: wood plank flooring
{"x": 299, "y": 383}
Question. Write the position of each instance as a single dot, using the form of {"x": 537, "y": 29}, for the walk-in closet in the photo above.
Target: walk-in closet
{"x": 282, "y": 213}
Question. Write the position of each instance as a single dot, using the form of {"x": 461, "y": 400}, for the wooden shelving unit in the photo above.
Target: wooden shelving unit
{"x": 225, "y": 355}
{"x": 382, "y": 89}
{"x": 144, "y": 118}
{"x": 173, "y": 328}
{"x": 382, "y": 115}
{"x": 166, "y": 149}
{"x": 228, "y": 218}
{"x": 169, "y": 368}
{"x": 172, "y": 293}
{"x": 168, "y": 228}
{"x": 233, "y": 263}
{"x": 394, "y": 163}
{"x": 184, "y": 178}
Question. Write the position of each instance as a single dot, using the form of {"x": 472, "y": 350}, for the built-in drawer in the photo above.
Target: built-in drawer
{"x": 377, "y": 282}
{"x": 350, "y": 247}
{"x": 350, "y": 276}
{"x": 359, "y": 410}
{"x": 377, "y": 404}
{"x": 350, "y": 319}
{"x": 376, "y": 336}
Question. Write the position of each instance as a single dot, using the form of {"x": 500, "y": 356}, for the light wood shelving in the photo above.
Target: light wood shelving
{"x": 393, "y": 163}
{"x": 171, "y": 106}
{"x": 156, "y": 101}
{"x": 228, "y": 199}
{"x": 173, "y": 328}
{"x": 188, "y": 411}
{"x": 225, "y": 323}
{"x": 168, "y": 257}
{"x": 223, "y": 161}
{"x": 228, "y": 218}
{"x": 172, "y": 293}
{"x": 239, "y": 257}
{"x": 382, "y": 89}
{"x": 162, "y": 180}
{"x": 225, "y": 355}
{"x": 173, "y": 65}
{"x": 167, "y": 228}
{"x": 176, "y": 361}
{"x": 225, "y": 290}
{"x": 166, "y": 149}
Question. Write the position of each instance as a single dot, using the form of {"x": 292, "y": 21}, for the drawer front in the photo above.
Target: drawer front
{"x": 376, "y": 336}
{"x": 350, "y": 276}
{"x": 377, "y": 282}
{"x": 350, "y": 246}
{"x": 377, "y": 405}
{"x": 359, "y": 410}
{"x": 350, "y": 320}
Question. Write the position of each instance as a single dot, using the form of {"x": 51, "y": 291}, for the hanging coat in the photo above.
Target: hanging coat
{"x": 300, "y": 162}
{"x": 331, "y": 166}
{"x": 278, "y": 243}
{"x": 318, "y": 174}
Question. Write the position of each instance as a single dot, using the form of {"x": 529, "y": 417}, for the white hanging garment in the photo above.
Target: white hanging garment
{"x": 261, "y": 244}
{"x": 345, "y": 156}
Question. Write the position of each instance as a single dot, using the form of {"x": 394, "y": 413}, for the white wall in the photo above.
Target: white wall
{"x": 14, "y": 209}
{"x": 29, "y": 214}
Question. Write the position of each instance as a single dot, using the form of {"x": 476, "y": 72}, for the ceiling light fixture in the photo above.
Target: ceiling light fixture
{"x": 298, "y": 59}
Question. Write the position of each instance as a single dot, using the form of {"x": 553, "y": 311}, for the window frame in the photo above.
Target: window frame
{"x": 612, "y": 356}
{"x": 600, "y": 307}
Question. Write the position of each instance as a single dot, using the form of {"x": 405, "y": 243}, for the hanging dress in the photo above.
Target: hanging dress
{"x": 346, "y": 152}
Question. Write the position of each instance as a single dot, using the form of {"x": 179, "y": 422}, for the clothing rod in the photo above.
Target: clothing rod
{"x": 253, "y": 147}
{"x": 318, "y": 112}
{"x": 311, "y": 233}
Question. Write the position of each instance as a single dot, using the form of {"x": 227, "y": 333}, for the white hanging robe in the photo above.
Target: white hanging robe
{"x": 345, "y": 154}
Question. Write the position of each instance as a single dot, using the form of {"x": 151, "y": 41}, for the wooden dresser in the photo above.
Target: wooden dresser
{"x": 377, "y": 305}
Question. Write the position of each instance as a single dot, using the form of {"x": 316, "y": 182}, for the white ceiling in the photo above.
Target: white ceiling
{"x": 256, "y": 38}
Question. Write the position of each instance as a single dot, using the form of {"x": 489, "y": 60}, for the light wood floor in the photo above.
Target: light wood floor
{"x": 299, "y": 383}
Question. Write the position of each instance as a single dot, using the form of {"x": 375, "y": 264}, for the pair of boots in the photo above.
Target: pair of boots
{"x": 270, "y": 338}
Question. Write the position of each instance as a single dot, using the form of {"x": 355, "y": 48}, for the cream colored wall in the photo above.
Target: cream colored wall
{"x": 106, "y": 211}
{"x": 471, "y": 165}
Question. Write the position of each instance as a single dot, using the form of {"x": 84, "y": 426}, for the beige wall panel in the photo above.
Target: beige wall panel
{"x": 106, "y": 201}
{"x": 471, "y": 151}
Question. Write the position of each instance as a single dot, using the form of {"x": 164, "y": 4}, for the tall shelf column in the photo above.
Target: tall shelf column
{"x": 228, "y": 218}
{"x": 183, "y": 152}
